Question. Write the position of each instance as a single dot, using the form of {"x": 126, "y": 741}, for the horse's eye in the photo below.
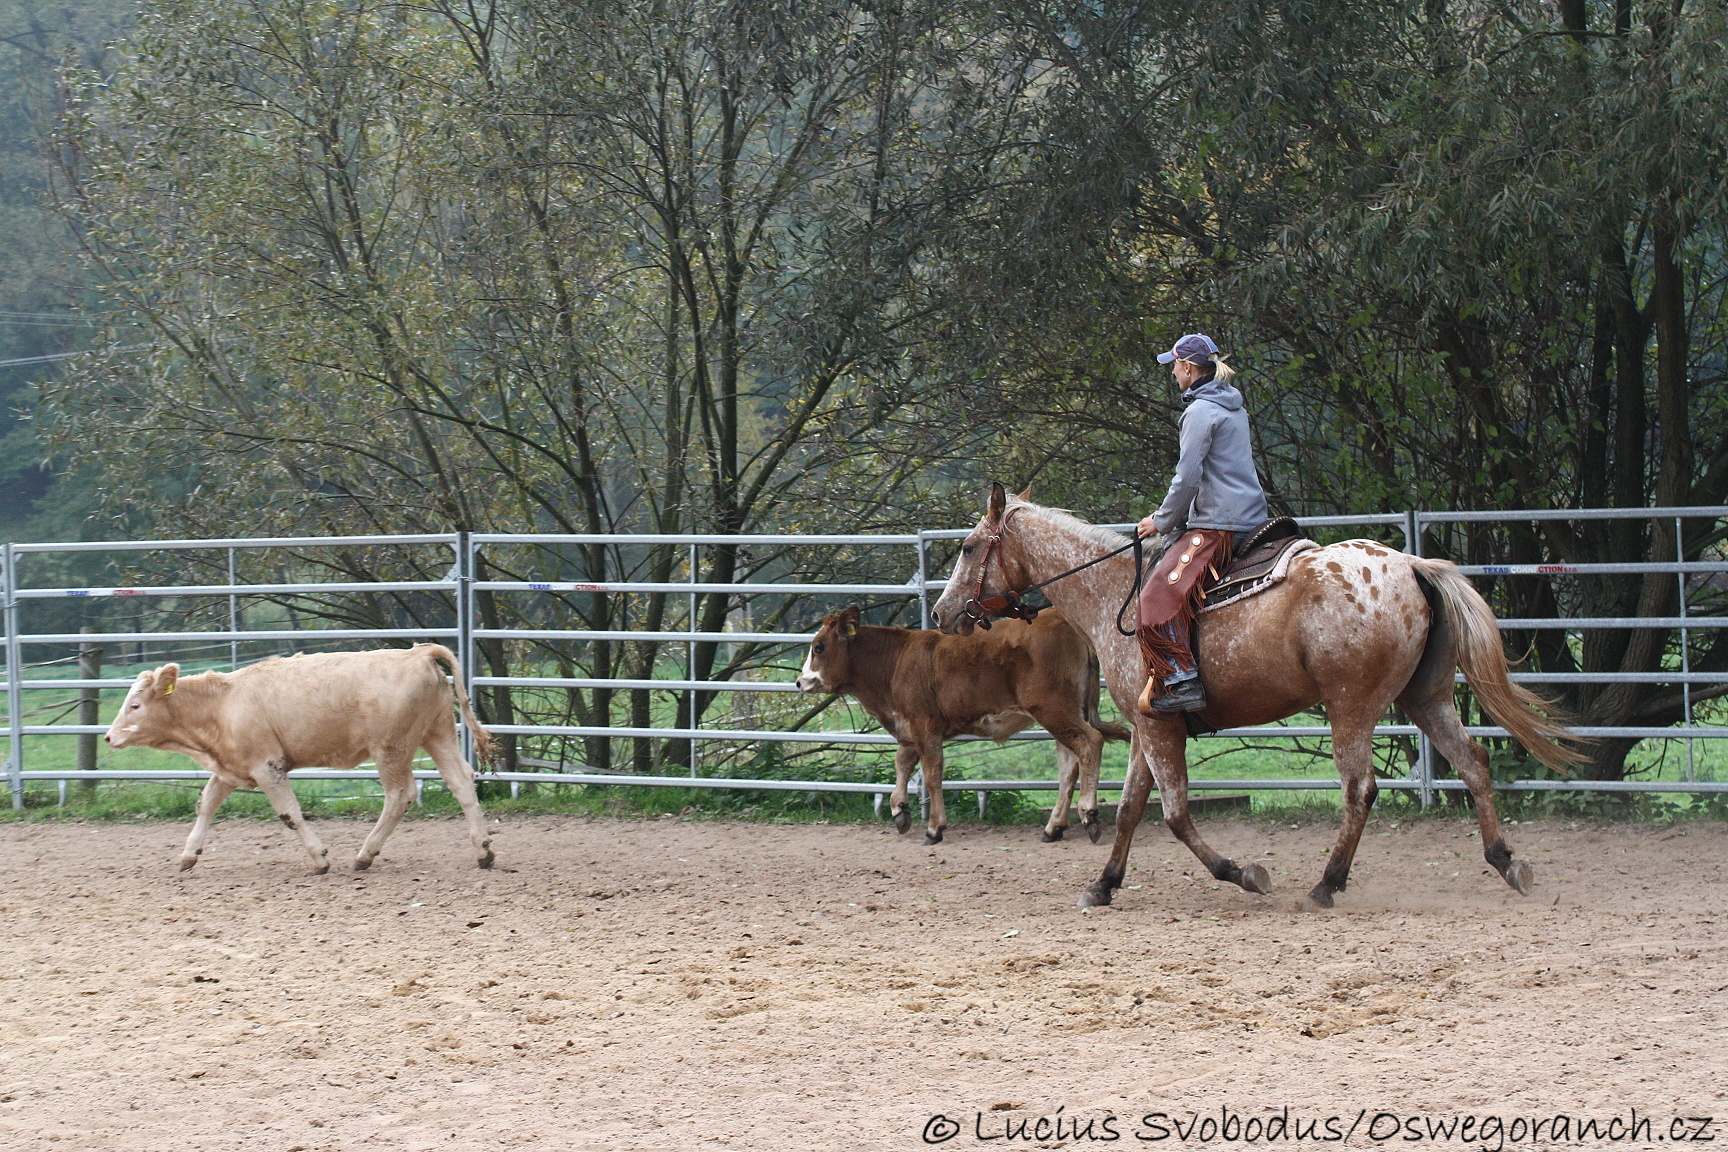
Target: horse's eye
{"x": 967, "y": 548}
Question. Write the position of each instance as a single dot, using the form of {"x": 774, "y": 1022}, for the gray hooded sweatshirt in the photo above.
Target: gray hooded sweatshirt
{"x": 1215, "y": 484}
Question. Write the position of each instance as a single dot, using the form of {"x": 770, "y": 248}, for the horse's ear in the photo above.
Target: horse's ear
{"x": 998, "y": 502}
{"x": 1026, "y": 495}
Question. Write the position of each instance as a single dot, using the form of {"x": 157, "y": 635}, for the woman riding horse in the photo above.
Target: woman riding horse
{"x": 1214, "y": 495}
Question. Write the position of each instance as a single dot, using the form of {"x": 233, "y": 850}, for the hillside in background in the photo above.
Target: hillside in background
{"x": 41, "y": 279}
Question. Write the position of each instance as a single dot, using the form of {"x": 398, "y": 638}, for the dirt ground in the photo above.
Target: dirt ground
{"x": 679, "y": 985}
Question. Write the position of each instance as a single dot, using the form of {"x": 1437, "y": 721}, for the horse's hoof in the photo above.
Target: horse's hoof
{"x": 933, "y": 837}
{"x": 1094, "y": 897}
{"x": 1316, "y": 900}
{"x": 1256, "y": 879}
{"x": 1051, "y": 835}
{"x": 1094, "y": 826}
{"x": 361, "y": 863}
{"x": 902, "y": 819}
{"x": 1521, "y": 876}
{"x": 485, "y": 861}
{"x": 321, "y": 871}
{"x": 186, "y": 862}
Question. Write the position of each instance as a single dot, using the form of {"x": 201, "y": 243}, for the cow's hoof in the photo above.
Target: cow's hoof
{"x": 1051, "y": 835}
{"x": 934, "y": 837}
{"x": 361, "y": 863}
{"x": 902, "y": 819}
{"x": 1256, "y": 879}
{"x": 321, "y": 871}
{"x": 1093, "y": 826}
{"x": 1096, "y": 896}
{"x": 186, "y": 862}
{"x": 1521, "y": 876}
{"x": 485, "y": 861}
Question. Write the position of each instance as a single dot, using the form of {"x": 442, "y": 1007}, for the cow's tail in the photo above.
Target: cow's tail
{"x": 484, "y": 745}
{"x": 1110, "y": 730}
{"x": 1476, "y": 646}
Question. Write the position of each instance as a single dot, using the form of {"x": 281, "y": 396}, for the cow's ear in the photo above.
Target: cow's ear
{"x": 166, "y": 677}
{"x": 849, "y": 618}
{"x": 998, "y": 502}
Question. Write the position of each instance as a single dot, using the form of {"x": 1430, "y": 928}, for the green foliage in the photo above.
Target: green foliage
{"x": 39, "y": 274}
{"x": 740, "y": 265}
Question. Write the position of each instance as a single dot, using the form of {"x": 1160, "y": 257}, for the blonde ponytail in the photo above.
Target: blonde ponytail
{"x": 1222, "y": 372}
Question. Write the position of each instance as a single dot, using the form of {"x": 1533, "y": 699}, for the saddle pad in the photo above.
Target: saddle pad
{"x": 1259, "y": 568}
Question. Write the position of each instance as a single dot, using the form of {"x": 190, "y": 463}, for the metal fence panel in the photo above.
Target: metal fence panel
{"x": 463, "y": 586}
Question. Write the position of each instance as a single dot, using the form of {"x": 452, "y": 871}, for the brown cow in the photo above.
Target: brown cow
{"x": 251, "y": 727}
{"x": 924, "y": 688}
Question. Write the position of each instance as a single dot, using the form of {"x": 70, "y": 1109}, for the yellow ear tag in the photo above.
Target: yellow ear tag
{"x": 851, "y": 629}
{"x": 168, "y": 691}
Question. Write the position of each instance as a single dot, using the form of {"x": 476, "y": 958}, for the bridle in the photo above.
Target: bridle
{"x": 981, "y": 609}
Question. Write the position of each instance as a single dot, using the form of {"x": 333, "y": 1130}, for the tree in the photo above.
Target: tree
{"x": 1475, "y": 259}
{"x": 574, "y": 268}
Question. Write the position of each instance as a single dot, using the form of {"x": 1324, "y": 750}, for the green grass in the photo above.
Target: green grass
{"x": 1210, "y": 759}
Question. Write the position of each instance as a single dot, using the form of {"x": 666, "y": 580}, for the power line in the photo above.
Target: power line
{"x": 68, "y": 355}
{"x": 63, "y": 317}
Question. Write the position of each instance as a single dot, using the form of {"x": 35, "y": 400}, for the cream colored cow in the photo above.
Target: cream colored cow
{"x": 251, "y": 727}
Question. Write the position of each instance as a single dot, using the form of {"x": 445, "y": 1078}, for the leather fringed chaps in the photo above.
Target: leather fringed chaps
{"x": 1170, "y": 598}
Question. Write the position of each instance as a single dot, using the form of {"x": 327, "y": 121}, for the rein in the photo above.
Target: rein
{"x": 981, "y": 611}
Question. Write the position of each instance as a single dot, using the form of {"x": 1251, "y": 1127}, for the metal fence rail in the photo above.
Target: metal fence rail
{"x": 914, "y": 551}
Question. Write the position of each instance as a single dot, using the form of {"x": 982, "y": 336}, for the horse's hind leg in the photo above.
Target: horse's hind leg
{"x": 1439, "y": 719}
{"x": 1353, "y": 751}
{"x": 1135, "y": 790}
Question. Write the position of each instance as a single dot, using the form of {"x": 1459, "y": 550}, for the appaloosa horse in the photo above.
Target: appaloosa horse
{"x": 1356, "y": 626}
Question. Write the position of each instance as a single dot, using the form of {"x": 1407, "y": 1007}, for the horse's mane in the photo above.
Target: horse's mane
{"x": 1061, "y": 517}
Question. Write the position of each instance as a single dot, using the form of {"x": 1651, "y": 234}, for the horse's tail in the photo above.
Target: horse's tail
{"x": 484, "y": 744}
{"x": 1109, "y": 729}
{"x": 1477, "y": 649}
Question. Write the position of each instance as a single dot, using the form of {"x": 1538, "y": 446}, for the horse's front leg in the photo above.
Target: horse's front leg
{"x": 1168, "y": 754}
{"x": 1135, "y": 789}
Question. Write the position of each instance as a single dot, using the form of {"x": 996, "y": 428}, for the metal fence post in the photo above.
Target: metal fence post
{"x": 1422, "y": 772}
{"x": 14, "y": 681}
{"x": 89, "y": 708}
{"x": 1685, "y": 645}
{"x": 690, "y": 662}
{"x": 233, "y": 616}
{"x": 465, "y": 630}
{"x": 923, "y": 582}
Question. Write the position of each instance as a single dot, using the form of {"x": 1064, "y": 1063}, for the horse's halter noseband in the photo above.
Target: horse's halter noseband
{"x": 981, "y": 610}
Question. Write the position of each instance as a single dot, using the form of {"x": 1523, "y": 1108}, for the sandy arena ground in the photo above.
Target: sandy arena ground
{"x": 677, "y": 985}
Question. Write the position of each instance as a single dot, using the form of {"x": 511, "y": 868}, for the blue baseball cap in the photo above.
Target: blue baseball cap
{"x": 1195, "y": 348}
